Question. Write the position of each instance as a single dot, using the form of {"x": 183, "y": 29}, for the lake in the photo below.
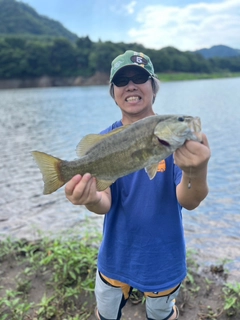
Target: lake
{"x": 54, "y": 120}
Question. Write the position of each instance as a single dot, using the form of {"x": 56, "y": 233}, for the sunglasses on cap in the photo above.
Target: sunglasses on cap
{"x": 122, "y": 81}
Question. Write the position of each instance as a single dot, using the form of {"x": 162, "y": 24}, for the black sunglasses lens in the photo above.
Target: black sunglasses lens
{"x": 121, "y": 81}
{"x": 137, "y": 79}
{"x": 140, "y": 78}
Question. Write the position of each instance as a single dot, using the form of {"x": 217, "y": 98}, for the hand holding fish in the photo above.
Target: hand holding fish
{"x": 193, "y": 155}
{"x": 82, "y": 190}
{"x": 193, "y": 158}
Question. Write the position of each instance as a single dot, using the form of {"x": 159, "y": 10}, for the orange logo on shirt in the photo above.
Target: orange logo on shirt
{"x": 161, "y": 166}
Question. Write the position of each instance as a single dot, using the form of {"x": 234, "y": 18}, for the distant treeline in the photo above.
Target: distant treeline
{"x": 25, "y": 57}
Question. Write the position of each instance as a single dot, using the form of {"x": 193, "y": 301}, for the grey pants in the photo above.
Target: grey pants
{"x": 111, "y": 300}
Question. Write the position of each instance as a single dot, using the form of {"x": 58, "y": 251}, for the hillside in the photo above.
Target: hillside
{"x": 18, "y": 18}
{"x": 36, "y": 47}
{"x": 219, "y": 51}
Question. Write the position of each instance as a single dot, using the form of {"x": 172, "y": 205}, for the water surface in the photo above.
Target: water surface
{"x": 54, "y": 120}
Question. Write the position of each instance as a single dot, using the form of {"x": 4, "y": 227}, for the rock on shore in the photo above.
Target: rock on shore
{"x": 45, "y": 81}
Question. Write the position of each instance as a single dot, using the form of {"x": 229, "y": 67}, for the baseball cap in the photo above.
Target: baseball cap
{"x": 131, "y": 58}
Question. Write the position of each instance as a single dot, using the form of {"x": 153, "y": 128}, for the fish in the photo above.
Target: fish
{"x": 120, "y": 152}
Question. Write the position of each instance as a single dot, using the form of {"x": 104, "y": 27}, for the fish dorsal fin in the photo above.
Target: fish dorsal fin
{"x": 152, "y": 170}
{"x": 90, "y": 140}
{"x": 87, "y": 143}
{"x": 103, "y": 184}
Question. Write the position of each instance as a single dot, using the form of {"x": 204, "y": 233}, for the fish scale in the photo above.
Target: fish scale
{"x": 122, "y": 151}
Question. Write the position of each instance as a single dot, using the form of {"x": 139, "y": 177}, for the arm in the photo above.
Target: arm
{"x": 192, "y": 158}
{"x": 81, "y": 190}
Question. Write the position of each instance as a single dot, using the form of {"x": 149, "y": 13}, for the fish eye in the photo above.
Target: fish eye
{"x": 181, "y": 119}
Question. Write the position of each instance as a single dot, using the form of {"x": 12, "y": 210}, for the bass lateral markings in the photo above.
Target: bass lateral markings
{"x": 143, "y": 144}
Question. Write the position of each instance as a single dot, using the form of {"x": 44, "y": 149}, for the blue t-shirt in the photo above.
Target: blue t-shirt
{"x": 143, "y": 239}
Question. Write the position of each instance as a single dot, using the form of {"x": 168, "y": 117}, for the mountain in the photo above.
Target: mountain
{"x": 18, "y": 18}
{"x": 219, "y": 51}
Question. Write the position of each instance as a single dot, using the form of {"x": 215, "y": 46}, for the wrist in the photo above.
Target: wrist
{"x": 95, "y": 203}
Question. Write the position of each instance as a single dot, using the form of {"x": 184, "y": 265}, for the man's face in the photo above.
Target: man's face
{"x": 133, "y": 98}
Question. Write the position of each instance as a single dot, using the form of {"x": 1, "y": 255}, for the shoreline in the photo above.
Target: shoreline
{"x": 100, "y": 78}
{"x": 48, "y": 82}
{"x": 52, "y": 278}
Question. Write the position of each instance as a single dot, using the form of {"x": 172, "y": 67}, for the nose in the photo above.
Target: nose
{"x": 131, "y": 85}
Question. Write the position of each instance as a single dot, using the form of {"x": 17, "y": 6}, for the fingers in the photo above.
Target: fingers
{"x": 193, "y": 154}
{"x": 70, "y": 186}
{"x": 194, "y": 148}
{"x": 205, "y": 140}
{"x": 81, "y": 190}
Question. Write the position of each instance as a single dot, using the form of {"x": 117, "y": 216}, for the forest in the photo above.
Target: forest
{"x": 32, "y": 45}
{"x": 29, "y": 57}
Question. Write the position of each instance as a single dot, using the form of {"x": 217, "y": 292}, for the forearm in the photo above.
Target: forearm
{"x": 192, "y": 189}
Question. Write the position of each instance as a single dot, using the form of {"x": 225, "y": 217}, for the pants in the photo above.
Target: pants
{"x": 112, "y": 295}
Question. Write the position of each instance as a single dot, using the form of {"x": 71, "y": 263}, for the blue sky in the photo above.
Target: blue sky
{"x": 183, "y": 24}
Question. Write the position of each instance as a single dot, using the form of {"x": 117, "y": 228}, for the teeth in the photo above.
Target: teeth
{"x": 132, "y": 99}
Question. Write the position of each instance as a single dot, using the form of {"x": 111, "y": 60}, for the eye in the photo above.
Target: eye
{"x": 122, "y": 80}
{"x": 181, "y": 119}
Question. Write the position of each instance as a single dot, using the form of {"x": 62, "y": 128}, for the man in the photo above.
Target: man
{"x": 143, "y": 242}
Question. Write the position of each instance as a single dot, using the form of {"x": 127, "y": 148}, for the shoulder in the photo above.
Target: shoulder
{"x": 115, "y": 125}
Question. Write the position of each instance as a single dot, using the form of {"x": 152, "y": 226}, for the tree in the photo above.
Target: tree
{"x": 101, "y": 56}
{"x": 62, "y": 58}
{"x": 38, "y": 59}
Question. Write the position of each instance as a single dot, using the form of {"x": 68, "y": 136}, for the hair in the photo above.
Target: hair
{"x": 155, "y": 88}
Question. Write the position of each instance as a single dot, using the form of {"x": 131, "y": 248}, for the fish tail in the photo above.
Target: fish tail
{"x": 50, "y": 168}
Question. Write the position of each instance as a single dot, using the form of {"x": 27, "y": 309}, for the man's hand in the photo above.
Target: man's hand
{"x": 82, "y": 190}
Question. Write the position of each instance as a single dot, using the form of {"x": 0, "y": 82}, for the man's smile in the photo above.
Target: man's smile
{"x": 133, "y": 99}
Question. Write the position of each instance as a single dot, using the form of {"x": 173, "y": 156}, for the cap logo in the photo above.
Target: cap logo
{"x": 139, "y": 60}
{"x": 118, "y": 64}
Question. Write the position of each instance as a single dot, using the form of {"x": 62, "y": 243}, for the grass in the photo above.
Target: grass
{"x": 179, "y": 76}
{"x": 232, "y": 298}
{"x": 65, "y": 268}
{"x": 54, "y": 279}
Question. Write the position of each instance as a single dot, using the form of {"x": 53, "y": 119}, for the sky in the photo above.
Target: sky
{"x": 183, "y": 24}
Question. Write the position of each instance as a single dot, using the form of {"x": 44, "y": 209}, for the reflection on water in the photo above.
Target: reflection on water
{"x": 54, "y": 120}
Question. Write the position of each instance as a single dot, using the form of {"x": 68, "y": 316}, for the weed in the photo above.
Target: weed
{"x": 47, "y": 310}
{"x": 232, "y": 298}
{"x": 13, "y": 306}
{"x": 70, "y": 265}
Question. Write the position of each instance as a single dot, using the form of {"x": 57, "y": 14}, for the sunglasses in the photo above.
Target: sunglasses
{"x": 137, "y": 79}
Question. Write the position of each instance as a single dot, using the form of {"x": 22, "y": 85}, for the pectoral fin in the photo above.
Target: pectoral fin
{"x": 103, "y": 184}
{"x": 152, "y": 170}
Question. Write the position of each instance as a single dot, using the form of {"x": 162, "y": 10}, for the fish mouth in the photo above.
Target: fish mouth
{"x": 133, "y": 99}
{"x": 164, "y": 142}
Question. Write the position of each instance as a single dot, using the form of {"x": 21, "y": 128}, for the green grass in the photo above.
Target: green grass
{"x": 54, "y": 272}
{"x": 54, "y": 279}
{"x": 232, "y": 298}
{"x": 166, "y": 77}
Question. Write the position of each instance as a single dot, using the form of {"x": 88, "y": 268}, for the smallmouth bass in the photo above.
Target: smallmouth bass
{"x": 122, "y": 151}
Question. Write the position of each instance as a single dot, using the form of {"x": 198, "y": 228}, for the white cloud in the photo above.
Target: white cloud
{"x": 130, "y": 7}
{"x": 191, "y": 27}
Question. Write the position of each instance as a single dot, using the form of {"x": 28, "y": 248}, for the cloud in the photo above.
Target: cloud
{"x": 130, "y": 7}
{"x": 191, "y": 27}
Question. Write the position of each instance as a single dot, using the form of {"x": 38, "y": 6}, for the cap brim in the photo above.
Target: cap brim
{"x": 134, "y": 66}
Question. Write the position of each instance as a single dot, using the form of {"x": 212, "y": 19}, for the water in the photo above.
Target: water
{"x": 55, "y": 119}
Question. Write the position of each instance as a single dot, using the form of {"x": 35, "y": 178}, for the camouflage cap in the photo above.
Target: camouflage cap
{"x": 131, "y": 58}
